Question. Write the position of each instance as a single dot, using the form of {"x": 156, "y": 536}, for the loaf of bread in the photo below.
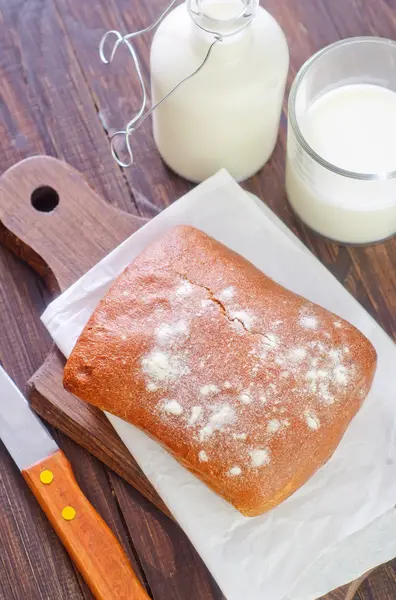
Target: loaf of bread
{"x": 248, "y": 385}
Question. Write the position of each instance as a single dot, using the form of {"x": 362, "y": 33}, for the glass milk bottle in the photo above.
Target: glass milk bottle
{"x": 227, "y": 114}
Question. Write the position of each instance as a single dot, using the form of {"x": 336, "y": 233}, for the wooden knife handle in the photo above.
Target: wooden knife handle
{"x": 90, "y": 543}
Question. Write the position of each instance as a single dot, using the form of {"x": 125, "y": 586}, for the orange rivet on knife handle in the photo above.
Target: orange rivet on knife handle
{"x": 46, "y": 477}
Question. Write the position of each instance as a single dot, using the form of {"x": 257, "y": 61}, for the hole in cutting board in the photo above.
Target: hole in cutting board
{"x": 45, "y": 198}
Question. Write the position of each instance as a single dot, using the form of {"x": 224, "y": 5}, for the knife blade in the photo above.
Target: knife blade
{"x": 89, "y": 541}
{"x": 25, "y": 437}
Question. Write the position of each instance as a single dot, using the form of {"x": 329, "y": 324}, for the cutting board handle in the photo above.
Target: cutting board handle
{"x": 44, "y": 205}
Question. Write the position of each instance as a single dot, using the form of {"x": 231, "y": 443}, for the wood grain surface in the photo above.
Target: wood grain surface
{"x": 56, "y": 98}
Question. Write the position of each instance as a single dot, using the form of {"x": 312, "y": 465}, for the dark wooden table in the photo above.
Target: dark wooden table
{"x": 57, "y": 98}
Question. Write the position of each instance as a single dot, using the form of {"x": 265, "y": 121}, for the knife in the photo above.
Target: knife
{"x": 89, "y": 541}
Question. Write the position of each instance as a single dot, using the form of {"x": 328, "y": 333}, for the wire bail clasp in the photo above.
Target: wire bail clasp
{"x": 141, "y": 116}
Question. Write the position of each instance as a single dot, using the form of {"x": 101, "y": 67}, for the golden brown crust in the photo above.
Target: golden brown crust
{"x": 248, "y": 385}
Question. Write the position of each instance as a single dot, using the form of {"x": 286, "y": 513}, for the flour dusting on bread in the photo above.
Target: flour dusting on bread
{"x": 162, "y": 367}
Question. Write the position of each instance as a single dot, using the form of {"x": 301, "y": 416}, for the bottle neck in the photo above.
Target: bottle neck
{"x": 224, "y": 18}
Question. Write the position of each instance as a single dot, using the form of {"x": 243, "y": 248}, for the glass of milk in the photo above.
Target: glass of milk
{"x": 341, "y": 149}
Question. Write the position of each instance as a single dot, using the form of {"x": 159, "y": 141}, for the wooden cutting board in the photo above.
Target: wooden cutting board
{"x": 52, "y": 219}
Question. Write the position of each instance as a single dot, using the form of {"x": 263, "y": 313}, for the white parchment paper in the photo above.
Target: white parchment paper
{"x": 342, "y": 522}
